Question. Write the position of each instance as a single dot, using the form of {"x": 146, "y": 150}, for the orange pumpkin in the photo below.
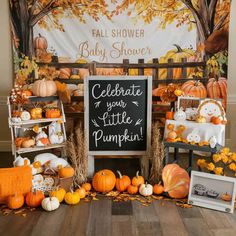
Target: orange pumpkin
{"x": 27, "y": 93}
{"x": 172, "y": 135}
{"x": 44, "y": 141}
{"x": 104, "y": 181}
{"x": 66, "y": 172}
{"x": 137, "y": 180}
{"x": 65, "y": 73}
{"x": 20, "y": 140}
{"x": 122, "y": 182}
{"x": 217, "y": 88}
{"x": 194, "y": 88}
{"x": 226, "y": 197}
{"x": 176, "y": 181}
{"x": 34, "y": 199}
{"x": 40, "y": 42}
{"x": 81, "y": 191}
{"x": 15, "y": 201}
{"x": 87, "y": 186}
{"x": 132, "y": 189}
{"x": 158, "y": 189}
{"x": 53, "y": 113}
{"x": 170, "y": 115}
{"x": 216, "y": 120}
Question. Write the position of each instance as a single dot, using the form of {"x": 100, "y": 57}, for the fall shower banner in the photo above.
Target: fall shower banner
{"x": 110, "y": 31}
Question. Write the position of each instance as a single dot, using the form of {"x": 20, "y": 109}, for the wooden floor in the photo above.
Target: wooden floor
{"x": 105, "y": 217}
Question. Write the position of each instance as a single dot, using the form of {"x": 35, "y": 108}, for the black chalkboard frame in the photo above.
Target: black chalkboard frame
{"x": 148, "y": 115}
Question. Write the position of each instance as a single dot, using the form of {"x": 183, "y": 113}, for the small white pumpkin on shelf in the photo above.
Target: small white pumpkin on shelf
{"x": 146, "y": 189}
{"x": 50, "y": 203}
{"x": 212, "y": 141}
{"x": 180, "y": 115}
{"x": 56, "y": 138}
{"x": 25, "y": 115}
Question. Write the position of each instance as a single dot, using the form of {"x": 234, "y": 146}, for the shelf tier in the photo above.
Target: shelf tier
{"x": 35, "y": 149}
{"x": 32, "y": 122}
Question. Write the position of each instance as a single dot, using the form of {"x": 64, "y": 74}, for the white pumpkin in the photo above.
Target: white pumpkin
{"x": 25, "y": 115}
{"x": 180, "y": 115}
{"x": 40, "y": 135}
{"x": 55, "y": 139}
{"x": 146, "y": 189}
{"x": 43, "y": 88}
{"x": 53, "y": 164}
{"x": 194, "y": 136}
{"x": 45, "y": 157}
{"x": 16, "y": 119}
{"x": 50, "y": 203}
{"x": 20, "y": 161}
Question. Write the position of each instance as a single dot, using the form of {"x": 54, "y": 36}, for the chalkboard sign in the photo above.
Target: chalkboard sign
{"x": 118, "y": 114}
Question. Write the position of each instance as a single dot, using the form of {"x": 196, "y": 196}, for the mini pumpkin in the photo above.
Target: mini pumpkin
{"x": 137, "y": 180}
{"x": 15, "y": 201}
{"x": 50, "y": 203}
{"x": 53, "y": 113}
{"x": 226, "y": 197}
{"x": 132, "y": 189}
{"x": 66, "y": 172}
{"x": 59, "y": 193}
{"x": 146, "y": 189}
{"x": 158, "y": 189}
{"x": 201, "y": 119}
{"x": 42, "y": 142}
{"x": 34, "y": 199}
{"x": 20, "y": 140}
{"x": 36, "y": 113}
{"x": 28, "y": 143}
{"x": 180, "y": 115}
{"x": 87, "y": 186}
{"x": 170, "y": 115}
{"x": 104, "y": 181}
{"x": 122, "y": 182}
{"x": 215, "y": 120}
{"x": 72, "y": 198}
{"x": 172, "y": 135}
{"x": 82, "y": 192}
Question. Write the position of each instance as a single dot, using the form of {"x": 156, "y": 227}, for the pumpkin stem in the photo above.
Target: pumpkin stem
{"x": 120, "y": 175}
{"x": 137, "y": 174}
{"x": 178, "y": 48}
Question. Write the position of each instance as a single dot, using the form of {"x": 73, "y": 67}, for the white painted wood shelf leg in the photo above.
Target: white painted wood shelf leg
{"x": 91, "y": 166}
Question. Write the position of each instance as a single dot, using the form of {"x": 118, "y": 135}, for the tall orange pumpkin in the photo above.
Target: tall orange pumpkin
{"x": 194, "y": 88}
{"x": 176, "y": 181}
{"x": 217, "y": 88}
{"x": 104, "y": 181}
{"x": 122, "y": 182}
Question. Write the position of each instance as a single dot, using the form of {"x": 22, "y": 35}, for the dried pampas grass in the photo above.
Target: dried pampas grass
{"x": 157, "y": 154}
{"x": 76, "y": 149}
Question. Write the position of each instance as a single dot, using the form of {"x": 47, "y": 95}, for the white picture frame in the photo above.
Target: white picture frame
{"x": 191, "y": 103}
{"x": 148, "y": 112}
{"x": 207, "y": 189}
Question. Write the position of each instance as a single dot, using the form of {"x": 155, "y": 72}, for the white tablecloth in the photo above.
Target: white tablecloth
{"x": 205, "y": 130}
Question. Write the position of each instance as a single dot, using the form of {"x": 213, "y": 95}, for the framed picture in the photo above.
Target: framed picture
{"x": 212, "y": 191}
{"x": 189, "y": 105}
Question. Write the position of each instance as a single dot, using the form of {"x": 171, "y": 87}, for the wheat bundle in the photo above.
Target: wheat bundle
{"x": 157, "y": 154}
{"x": 76, "y": 149}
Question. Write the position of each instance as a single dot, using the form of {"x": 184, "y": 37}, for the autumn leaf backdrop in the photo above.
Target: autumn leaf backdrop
{"x": 113, "y": 30}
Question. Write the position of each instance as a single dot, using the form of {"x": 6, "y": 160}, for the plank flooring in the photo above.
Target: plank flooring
{"x": 107, "y": 218}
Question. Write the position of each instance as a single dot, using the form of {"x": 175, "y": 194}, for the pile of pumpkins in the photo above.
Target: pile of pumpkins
{"x": 175, "y": 182}
{"x": 35, "y": 198}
